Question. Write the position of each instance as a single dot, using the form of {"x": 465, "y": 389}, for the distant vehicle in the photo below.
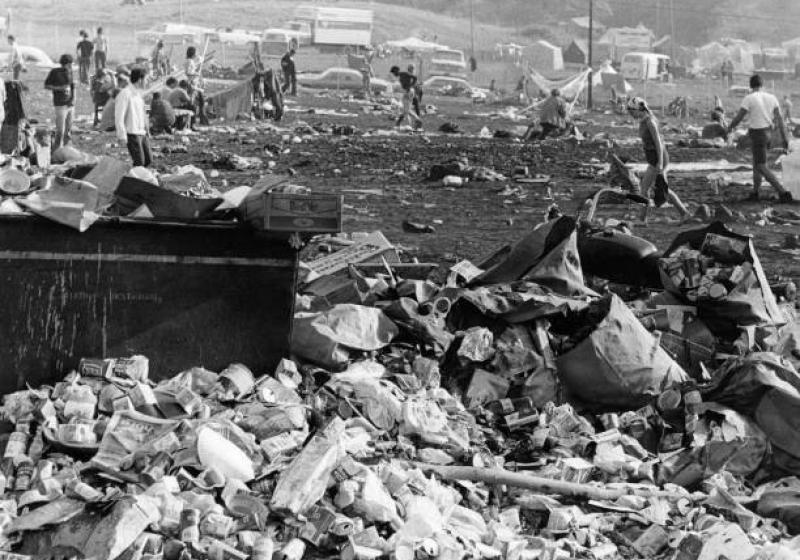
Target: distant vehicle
{"x": 446, "y": 62}
{"x": 644, "y": 66}
{"x": 453, "y": 86}
{"x": 339, "y": 27}
{"x": 275, "y": 42}
{"x": 343, "y": 78}
{"x": 303, "y": 30}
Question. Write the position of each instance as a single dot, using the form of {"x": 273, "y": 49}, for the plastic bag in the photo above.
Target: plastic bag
{"x": 620, "y": 365}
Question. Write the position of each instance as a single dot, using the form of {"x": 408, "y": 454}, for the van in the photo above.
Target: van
{"x": 447, "y": 62}
{"x": 644, "y": 66}
{"x": 276, "y": 42}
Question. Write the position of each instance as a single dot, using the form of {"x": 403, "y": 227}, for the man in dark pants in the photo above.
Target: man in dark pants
{"x": 131, "y": 120}
{"x": 762, "y": 111}
{"x": 289, "y": 72}
{"x": 59, "y": 81}
{"x": 84, "y": 50}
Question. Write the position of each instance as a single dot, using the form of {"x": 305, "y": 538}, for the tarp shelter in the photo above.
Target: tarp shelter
{"x": 413, "y": 44}
{"x": 622, "y": 40}
{"x": 570, "y": 88}
{"x": 544, "y": 57}
{"x": 606, "y": 77}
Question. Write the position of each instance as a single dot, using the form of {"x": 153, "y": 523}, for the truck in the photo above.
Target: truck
{"x": 335, "y": 27}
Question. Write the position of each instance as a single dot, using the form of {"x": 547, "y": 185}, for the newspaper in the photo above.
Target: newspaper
{"x": 127, "y": 432}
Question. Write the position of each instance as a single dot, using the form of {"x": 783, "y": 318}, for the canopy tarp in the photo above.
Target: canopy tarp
{"x": 415, "y": 44}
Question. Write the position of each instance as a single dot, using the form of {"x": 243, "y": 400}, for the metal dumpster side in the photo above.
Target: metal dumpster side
{"x": 200, "y": 294}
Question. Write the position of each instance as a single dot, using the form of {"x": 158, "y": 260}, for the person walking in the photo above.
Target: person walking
{"x": 84, "y": 50}
{"x": 408, "y": 82}
{"x": 61, "y": 83}
{"x": 763, "y": 112}
{"x": 655, "y": 151}
{"x": 130, "y": 120}
{"x": 16, "y": 64}
{"x": 100, "y": 50}
{"x": 289, "y": 72}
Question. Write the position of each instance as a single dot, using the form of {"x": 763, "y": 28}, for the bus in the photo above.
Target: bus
{"x": 337, "y": 26}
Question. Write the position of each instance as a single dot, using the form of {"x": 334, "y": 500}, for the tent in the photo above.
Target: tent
{"x": 414, "y": 44}
{"x": 544, "y": 57}
{"x": 711, "y": 56}
{"x": 577, "y": 52}
{"x": 570, "y": 88}
{"x": 605, "y": 77}
{"x": 793, "y": 48}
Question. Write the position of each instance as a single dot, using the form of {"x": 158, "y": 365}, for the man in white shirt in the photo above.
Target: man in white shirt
{"x": 762, "y": 111}
{"x": 130, "y": 119}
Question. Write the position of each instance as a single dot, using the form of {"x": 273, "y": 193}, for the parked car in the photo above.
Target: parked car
{"x": 456, "y": 87}
{"x": 343, "y": 78}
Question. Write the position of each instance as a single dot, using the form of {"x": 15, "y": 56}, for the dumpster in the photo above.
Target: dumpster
{"x": 183, "y": 294}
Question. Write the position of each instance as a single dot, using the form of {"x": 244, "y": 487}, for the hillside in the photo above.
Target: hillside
{"x": 54, "y": 24}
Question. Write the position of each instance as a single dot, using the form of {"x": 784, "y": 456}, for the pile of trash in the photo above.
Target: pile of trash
{"x": 507, "y": 411}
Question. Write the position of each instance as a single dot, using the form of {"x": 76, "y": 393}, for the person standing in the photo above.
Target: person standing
{"x": 655, "y": 152}
{"x": 84, "y": 51}
{"x": 787, "y": 108}
{"x": 158, "y": 60}
{"x": 130, "y": 120}
{"x": 408, "y": 82}
{"x": 16, "y": 64}
{"x": 762, "y": 111}
{"x": 289, "y": 72}
{"x": 193, "y": 67}
{"x": 553, "y": 115}
{"x": 60, "y": 82}
{"x": 100, "y": 50}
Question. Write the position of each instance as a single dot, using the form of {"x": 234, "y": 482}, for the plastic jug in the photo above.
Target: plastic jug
{"x": 790, "y": 165}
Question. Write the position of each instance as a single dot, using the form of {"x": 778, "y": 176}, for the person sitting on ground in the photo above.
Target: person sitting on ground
{"x": 762, "y": 110}
{"x": 655, "y": 152}
{"x": 102, "y": 85}
{"x": 162, "y": 115}
{"x": 169, "y": 86}
{"x": 552, "y": 117}
{"x": 716, "y": 128}
{"x": 179, "y": 98}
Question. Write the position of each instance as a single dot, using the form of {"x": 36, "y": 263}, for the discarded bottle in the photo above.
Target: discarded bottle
{"x": 17, "y": 445}
{"x": 37, "y": 446}
{"x": 24, "y": 474}
{"x": 503, "y": 407}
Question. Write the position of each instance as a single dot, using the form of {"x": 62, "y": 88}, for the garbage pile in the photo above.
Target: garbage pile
{"x": 508, "y": 411}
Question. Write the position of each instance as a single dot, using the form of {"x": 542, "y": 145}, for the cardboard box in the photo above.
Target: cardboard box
{"x": 316, "y": 213}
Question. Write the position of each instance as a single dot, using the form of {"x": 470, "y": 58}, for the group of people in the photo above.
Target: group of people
{"x": 122, "y": 95}
{"x": 760, "y": 109}
{"x": 411, "y": 92}
{"x": 90, "y": 51}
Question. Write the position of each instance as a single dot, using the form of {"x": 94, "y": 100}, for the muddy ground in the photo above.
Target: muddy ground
{"x": 383, "y": 174}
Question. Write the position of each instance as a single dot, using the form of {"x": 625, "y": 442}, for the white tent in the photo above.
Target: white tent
{"x": 598, "y": 81}
{"x": 544, "y": 57}
{"x": 415, "y": 45}
{"x": 711, "y": 56}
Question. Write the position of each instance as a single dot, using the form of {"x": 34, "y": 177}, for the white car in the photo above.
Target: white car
{"x": 457, "y": 87}
{"x": 343, "y": 78}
